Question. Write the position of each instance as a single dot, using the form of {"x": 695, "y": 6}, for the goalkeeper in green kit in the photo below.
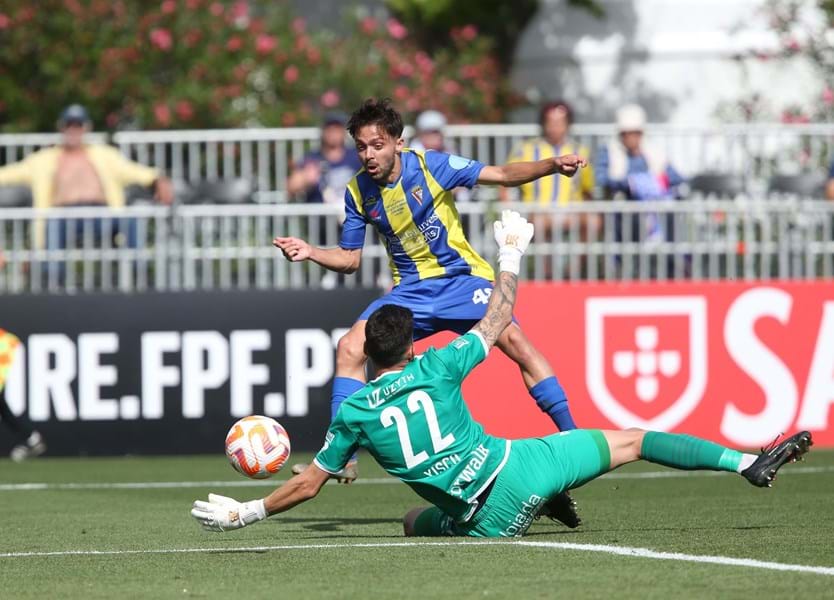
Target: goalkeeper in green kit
{"x": 414, "y": 422}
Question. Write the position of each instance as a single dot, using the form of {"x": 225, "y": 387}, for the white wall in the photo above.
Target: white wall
{"x": 679, "y": 58}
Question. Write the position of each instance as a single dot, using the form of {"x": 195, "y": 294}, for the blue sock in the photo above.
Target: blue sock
{"x": 342, "y": 388}
{"x": 551, "y": 399}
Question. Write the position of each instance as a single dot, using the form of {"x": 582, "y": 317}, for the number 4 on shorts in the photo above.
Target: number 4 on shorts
{"x": 481, "y": 296}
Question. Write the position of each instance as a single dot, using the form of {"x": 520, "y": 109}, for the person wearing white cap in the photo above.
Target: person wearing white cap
{"x": 429, "y": 126}
{"x": 631, "y": 169}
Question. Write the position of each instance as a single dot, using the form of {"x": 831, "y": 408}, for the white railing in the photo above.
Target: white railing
{"x": 229, "y": 247}
{"x": 754, "y": 152}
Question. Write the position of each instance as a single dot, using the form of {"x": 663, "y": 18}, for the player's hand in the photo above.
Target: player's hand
{"x": 569, "y": 164}
{"x": 294, "y": 249}
{"x": 513, "y": 234}
{"x": 224, "y": 514}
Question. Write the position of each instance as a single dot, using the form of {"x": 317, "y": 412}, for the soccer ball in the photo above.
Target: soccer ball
{"x": 257, "y": 446}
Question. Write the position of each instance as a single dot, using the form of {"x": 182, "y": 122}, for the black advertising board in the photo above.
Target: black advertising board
{"x": 168, "y": 373}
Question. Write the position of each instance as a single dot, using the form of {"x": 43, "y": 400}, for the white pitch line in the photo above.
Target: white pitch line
{"x": 601, "y": 548}
{"x": 243, "y": 483}
{"x": 696, "y": 558}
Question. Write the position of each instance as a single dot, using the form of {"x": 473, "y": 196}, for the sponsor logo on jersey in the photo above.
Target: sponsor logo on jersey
{"x": 370, "y": 207}
{"x": 460, "y": 343}
{"x": 381, "y": 394}
{"x": 521, "y": 521}
{"x": 470, "y": 471}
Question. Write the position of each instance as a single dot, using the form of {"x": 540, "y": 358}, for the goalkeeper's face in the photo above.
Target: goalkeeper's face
{"x": 379, "y": 153}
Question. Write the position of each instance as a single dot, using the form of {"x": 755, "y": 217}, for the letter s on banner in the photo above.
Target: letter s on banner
{"x": 762, "y": 365}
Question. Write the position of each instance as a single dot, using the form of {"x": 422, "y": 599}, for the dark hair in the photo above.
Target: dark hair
{"x": 376, "y": 112}
{"x": 547, "y": 107}
{"x": 389, "y": 334}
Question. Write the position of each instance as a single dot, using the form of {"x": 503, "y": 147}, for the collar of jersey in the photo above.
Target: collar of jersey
{"x": 375, "y": 379}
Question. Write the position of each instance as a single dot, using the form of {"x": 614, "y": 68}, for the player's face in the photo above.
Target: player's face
{"x": 379, "y": 153}
{"x": 556, "y": 125}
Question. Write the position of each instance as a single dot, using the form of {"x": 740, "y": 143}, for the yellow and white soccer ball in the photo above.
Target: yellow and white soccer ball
{"x": 257, "y": 446}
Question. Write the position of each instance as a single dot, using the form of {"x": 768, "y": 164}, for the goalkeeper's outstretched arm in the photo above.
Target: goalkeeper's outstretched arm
{"x": 513, "y": 234}
{"x": 221, "y": 513}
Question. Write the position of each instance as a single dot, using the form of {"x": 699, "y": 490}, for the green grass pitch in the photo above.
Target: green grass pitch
{"x": 136, "y": 528}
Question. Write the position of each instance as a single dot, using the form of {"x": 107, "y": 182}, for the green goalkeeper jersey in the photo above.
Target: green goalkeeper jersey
{"x": 415, "y": 424}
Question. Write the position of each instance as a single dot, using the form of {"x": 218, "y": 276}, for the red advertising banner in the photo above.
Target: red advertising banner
{"x": 738, "y": 363}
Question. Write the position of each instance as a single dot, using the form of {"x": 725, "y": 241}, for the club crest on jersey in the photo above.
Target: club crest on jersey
{"x": 417, "y": 194}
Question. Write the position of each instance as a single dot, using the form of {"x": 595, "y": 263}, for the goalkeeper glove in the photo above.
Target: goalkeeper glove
{"x": 513, "y": 234}
{"x": 223, "y": 514}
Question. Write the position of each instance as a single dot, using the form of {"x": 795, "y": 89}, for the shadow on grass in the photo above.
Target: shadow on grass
{"x": 331, "y": 523}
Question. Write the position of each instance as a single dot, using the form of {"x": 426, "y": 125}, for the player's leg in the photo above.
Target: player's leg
{"x": 428, "y": 521}
{"x": 350, "y": 377}
{"x": 538, "y": 376}
{"x": 30, "y": 443}
{"x": 350, "y": 365}
{"x": 686, "y": 452}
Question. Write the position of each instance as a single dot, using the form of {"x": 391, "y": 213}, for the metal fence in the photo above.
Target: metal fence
{"x": 754, "y": 152}
{"x": 229, "y": 247}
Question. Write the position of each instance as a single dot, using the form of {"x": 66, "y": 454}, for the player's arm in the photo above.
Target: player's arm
{"x": 221, "y": 513}
{"x": 342, "y": 260}
{"x": 519, "y": 173}
{"x": 513, "y": 234}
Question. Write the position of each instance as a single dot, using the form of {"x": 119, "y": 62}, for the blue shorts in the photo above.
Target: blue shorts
{"x": 440, "y": 303}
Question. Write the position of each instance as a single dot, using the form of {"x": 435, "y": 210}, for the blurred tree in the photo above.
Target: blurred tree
{"x": 219, "y": 63}
{"x": 434, "y": 22}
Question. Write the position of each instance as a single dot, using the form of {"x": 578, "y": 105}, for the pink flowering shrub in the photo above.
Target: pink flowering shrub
{"x": 215, "y": 64}
{"x": 805, "y": 31}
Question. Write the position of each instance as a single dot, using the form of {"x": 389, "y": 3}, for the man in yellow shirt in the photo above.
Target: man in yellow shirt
{"x": 555, "y": 118}
{"x": 77, "y": 174}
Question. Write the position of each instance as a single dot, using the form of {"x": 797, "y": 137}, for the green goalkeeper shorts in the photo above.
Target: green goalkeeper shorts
{"x": 537, "y": 469}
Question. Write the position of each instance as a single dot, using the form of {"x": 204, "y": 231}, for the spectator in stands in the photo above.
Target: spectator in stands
{"x": 829, "y": 185}
{"x": 75, "y": 174}
{"x": 429, "y": 128}
{"x": 323, "y": 174}
{"x": 555, "y": 119}
{"x": 629, "y": 168}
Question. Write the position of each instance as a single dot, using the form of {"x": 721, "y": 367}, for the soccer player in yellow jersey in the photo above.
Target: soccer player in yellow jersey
{"x": 406, "y": 196}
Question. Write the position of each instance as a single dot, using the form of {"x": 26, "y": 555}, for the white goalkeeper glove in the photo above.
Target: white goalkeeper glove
{"x": 513, "y": 234}
{"x": 223, "y": 514}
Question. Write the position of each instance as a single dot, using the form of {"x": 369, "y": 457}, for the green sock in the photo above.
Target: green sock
{"x": 687, "y": 452}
